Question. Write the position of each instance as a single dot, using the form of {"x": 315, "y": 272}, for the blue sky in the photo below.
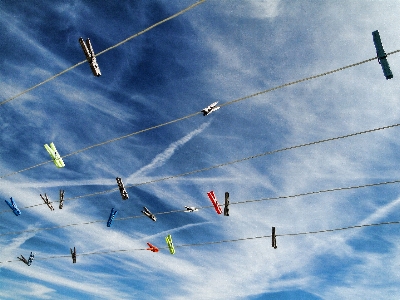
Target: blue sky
{"x": 218, "y": 51}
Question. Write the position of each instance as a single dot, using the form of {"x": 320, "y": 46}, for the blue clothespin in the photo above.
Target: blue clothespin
{"x": 111, "y": 217}
{"x": 13, "y": 206}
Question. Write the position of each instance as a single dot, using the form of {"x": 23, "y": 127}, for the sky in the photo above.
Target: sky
{"x": 217, "y": 51}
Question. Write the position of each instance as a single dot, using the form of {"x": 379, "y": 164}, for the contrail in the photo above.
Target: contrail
{"x": 161, "y": 158}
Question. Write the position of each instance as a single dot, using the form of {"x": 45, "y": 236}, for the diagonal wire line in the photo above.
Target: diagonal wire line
{"x": 104, "y": 51}
{"x": 237, "y": 161}
{"x": 218, "y": 242}
{"x": 41, "y": 83}
{"x": 305, "y": 79}
{"x": 26, "y": 169}
{"x": 131, "y": 134}
{"x": 227, "y": 103}
{"x": 103, "y": 143}
{"x": 155, "y": 25}
{"x": 263, "y": 154}
{"x": 241, "y": 160}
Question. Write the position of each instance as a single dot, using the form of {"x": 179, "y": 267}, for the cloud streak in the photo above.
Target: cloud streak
{"x": 163, "y": 157}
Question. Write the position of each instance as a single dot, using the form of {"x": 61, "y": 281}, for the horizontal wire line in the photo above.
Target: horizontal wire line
{"x": 320, "y": 192}
{"x": 51, "y": 228}
{"x": 218, "y": 242}
{"x": 104, "y": 51}
{"x": 211, "y": 206}
{"x": 196, "y": 113}
{"x": 339, "y": 229}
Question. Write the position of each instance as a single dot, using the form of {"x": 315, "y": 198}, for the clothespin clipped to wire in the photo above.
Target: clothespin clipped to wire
{"x": 28, "y": 261}
{"x": 47, "y": 201}
{"x": 170, "y": 245}
{"x": 274, "y": 238}
{"x": 226, "y": 208}
{"x": 61, "y": 199}
{"x": 122, "y": 190}
{"x": 73, "y": 254}
{"x": 214, "y": 201}
{"x": 111, "y": 217}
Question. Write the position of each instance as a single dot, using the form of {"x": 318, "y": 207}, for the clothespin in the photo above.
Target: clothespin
{"x": 90, "y": 56}
{"x": 13, "y": 206}
{"x": 47, "y": 201}
{"x": 152, "y": 248}
{"x": 73, "y": 254}
{"x": 23, "y": 259}
{"x": 122, "y": 190}
{"x": 226, "y": 208}
{"x": 274, "y": 238}
{"x": 31, "y": 258}
{"x": 57, "y": 160}
{"x": 214, "y": 201}
{"x": 111, "y": 217}
{"x": 61, "y": 199}
{"x": 190, "y": 209}
{"x": 380, "y": 53}
{"x": 28, "y": 261}
{"x": 170, "y": 245}
{"x": 148, "y": 213}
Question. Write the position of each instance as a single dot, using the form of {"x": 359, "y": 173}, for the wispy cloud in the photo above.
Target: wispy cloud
{"x": 381, "y": 212}
{"x": 10, "y": 251}
{"x": 163, "y": 157}
{"x": 37, "y": 290}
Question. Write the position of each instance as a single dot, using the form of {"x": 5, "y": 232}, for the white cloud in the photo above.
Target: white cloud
{"x": 11, "y": 250}
{"x": 259, "y": 9}
{"x": 37, "y": 290}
